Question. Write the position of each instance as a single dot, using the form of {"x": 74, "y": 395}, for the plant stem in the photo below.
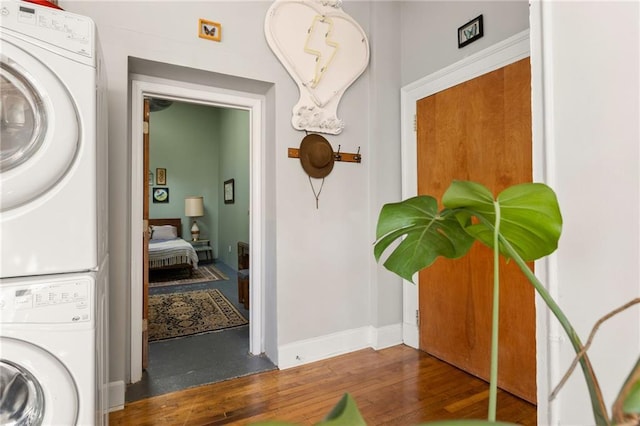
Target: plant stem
{"x": 587, "y": 345}
{"x": 493, "y": 375}
{"x": 600, "y": 414}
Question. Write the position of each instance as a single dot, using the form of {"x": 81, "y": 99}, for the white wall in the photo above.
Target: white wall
{"x": 324, "y": 255}
{"x": 384, "y": 155}
{"x": 430, "y": 31}
{"x": 233, "y": 163}
{"x": 590, "y": 89}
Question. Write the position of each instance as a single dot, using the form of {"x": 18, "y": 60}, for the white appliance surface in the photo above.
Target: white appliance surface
{"x": 52, "y": 361}
{"x": 53, "y": 181}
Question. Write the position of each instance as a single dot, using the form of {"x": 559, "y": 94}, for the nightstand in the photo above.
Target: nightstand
{"x": 201, "y": 246}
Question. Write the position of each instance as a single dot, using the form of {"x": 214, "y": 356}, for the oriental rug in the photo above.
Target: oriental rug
{"x": 204, "y": 273}
{"x": 193, "y": 312}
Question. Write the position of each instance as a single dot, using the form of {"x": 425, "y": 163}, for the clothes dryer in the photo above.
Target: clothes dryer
{"x": 53, "y": 156}
{"x": 52, "y": 345}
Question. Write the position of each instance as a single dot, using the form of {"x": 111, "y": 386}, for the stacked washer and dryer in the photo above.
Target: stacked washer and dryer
{"x": 53, "y": 219}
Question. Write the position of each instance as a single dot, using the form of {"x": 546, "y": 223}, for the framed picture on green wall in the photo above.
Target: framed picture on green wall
{"x": 229, "y": 191}
{"x": 161, "y": 176}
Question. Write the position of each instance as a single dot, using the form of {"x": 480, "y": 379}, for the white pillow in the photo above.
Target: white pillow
{"x": 163, "y": 232}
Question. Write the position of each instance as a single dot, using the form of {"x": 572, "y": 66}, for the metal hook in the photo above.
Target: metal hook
{"x": 337, "y": 155}
{"x": 357, "y": 157}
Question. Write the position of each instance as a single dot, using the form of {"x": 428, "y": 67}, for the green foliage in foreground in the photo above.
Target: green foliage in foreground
{"x": 523, "y": 224}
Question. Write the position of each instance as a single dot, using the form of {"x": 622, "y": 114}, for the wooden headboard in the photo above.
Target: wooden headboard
{"x": 173, "y": 222}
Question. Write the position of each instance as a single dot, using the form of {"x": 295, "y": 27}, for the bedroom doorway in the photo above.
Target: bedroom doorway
{"x": 195, "y": 149}
{"x": 147, "y": 87}
{"x": 191, "y": 150}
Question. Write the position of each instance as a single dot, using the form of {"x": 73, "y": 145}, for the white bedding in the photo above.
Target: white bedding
{"x": 171, "y": 252}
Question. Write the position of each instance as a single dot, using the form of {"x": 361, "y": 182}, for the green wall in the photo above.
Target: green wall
{"x": 234, "y": 164}
{"x": 199, "y": 146}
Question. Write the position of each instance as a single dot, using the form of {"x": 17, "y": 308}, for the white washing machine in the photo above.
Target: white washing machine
{"x": 53, "y": 154}
{"x": 52, "y": 365}
{"x": 53, "y": 219}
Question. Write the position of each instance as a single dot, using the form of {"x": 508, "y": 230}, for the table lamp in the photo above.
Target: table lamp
{"x": 194, "y": 207}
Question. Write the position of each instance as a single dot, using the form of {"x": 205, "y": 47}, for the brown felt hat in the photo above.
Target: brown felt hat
{"x": 316, "y": 156}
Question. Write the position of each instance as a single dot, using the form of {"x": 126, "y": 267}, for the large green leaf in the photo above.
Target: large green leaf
{"x": 345, "y": 413}
{"x": 428, "y": 234}
{"x": 632, "y": 403}
{"x": 530, "y": 217}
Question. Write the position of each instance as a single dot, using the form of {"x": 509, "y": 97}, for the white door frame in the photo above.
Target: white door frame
{"x": 142, "y": 86}
{"x": 497, "y": 56}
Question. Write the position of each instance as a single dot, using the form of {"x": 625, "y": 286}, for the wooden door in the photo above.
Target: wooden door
{"x": 479, "y": 130}
{"x": 145, "y": 243}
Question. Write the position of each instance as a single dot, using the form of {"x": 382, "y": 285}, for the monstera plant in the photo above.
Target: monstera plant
{"x": 523, "y": 224}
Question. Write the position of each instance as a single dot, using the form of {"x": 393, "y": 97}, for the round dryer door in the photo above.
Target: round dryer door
{"x": 37, "y": 388}
{"x": 38, "y": 128}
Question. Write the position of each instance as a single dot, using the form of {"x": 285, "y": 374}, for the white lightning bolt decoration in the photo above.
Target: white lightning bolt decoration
{"x": 316, "y": 36}
{"x": 304, "y": 36}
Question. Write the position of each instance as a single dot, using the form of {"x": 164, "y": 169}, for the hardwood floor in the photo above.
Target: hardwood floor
{"x": 394, "y": 386}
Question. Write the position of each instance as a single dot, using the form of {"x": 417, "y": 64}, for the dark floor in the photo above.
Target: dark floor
{"x": 185, "y": 362}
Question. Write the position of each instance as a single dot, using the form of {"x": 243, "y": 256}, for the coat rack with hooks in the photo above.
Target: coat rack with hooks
{"x": 338, "y": 156}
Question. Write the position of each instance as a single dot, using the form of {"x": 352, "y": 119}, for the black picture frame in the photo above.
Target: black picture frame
{"x": 470, "y": 32}
{"x": 160, "y": 195}
{"x": 229, "y": 191}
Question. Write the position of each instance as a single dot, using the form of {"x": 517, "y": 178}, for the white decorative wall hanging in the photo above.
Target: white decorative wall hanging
{"x": 324, "y": 50}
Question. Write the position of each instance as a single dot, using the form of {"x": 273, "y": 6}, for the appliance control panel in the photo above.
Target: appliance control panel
{"x": 65, "y": 30}
{"x": 47, "y": 302}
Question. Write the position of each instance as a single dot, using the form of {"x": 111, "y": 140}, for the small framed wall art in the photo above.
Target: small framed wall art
{"x": 470, "y": 32}
{"x": 161, "y": 176}
{"x": 229, "y": 191}
{"x": 160, "y": 195}
{"x": 209, "y": 30}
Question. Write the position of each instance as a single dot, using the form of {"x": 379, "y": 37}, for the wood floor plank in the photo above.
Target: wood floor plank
{"x": 393, "y": 386}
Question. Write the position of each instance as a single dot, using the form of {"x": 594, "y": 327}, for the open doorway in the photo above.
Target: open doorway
{"x": 149, "y": 87}
{"x": 197, "y": 322}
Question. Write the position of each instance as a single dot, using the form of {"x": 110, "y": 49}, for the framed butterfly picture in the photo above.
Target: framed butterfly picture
{"x": 470, "y": 32}
{"x": 209, "y": 30}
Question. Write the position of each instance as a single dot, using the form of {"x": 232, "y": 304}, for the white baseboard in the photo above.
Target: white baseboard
{"x": 319, "y": 348}
{"x": 411, "y": 335}
{"x": 116, "y": 395}
{"x": 387, "y": 336}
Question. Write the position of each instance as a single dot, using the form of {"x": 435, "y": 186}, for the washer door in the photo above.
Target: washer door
{"x": 37, "y": 389}
{"x": 38, "y": 128}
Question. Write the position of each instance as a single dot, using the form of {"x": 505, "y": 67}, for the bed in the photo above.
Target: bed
{"x": 167, "y": 250}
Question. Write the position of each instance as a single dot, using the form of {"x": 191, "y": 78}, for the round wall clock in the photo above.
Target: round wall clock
{"x": 160, "y": 195}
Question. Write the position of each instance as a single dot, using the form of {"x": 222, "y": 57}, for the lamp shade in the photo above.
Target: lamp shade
{"x": 193, "y": 206}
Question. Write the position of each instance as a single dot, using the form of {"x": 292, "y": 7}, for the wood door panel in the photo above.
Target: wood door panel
{"x": 145, "y": 239}
{"x": 479, "y": 130}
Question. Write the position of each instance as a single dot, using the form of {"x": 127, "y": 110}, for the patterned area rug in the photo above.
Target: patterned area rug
{"x": 192, "y": 312}
{"x": 204, "y": 273}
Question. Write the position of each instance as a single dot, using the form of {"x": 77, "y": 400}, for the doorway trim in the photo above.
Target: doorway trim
{"x": 141, "y": 86}
{"x": 492, "y": 58}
